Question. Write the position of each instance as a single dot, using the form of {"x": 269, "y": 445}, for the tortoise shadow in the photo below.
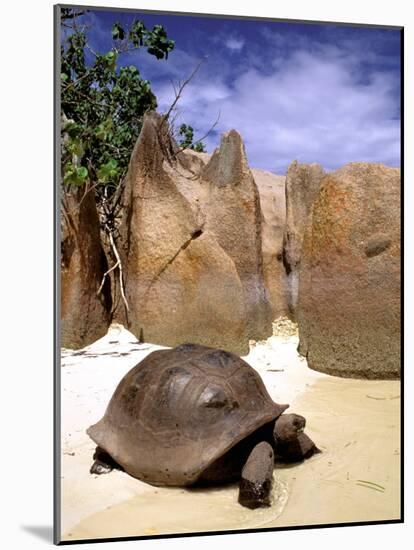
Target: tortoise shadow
{"x": 281, "y": 465}
{"x": 210, "y": 487}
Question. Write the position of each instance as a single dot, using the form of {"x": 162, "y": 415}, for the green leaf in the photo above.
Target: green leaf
{"x": 101, "y": 135}
{"x": 118, "y": 32}
{"x": 82, "y": 172}
{"x": 108, "y": 171}
{"x": 75, "y": 175}
{"x": 103, "y": 112}
{"x": 75, "y": 146}
{"x": 101, "y": 132}
{"x": 112, "y": 164}
{"x": 68, "y": 172}
{"x": 199, "y": 147}
{"x": 111, "y": 59}
{"x": 136, "y": 34}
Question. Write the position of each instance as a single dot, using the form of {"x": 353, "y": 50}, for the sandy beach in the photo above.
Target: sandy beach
{"x": 356, "y": 424}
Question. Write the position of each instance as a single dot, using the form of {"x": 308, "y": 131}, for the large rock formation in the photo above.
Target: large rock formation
{"x": 191, "y": 245}
{"x": 302, "y": 185}
{"x": 273, "y": 204}
{"x": 85, "y": 316}
{"x": 349, "y": 295}
{"x": 233, "y": 215}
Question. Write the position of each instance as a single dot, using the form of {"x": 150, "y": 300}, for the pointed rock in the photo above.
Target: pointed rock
{"x": 180, "y": 284}
{"x": 85, "y": 316}
{"x": 302, "y": 185}
{"x": 233, "y": 215}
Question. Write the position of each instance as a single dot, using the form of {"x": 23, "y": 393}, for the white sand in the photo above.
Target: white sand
{"x": 354, "y": 422}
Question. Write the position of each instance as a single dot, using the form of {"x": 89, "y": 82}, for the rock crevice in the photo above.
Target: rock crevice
{"x": 191, "y": 246}
{"x": 85, "y": 315}
{"x": 302, "y": 185}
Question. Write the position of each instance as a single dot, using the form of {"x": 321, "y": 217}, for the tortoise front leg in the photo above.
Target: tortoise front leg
{"x": 300, "y": 449}
{"x": 256, "y": 477}
{"x": 103, "y": 462}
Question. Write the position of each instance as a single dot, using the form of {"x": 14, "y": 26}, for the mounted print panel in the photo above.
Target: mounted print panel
{"x": 228, "y": 206}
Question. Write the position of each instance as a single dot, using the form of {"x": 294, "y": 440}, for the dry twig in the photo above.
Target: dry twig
{"x": 179, "y": 92}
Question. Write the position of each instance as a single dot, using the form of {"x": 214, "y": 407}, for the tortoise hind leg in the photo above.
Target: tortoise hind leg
{"x": 103, "y": 462}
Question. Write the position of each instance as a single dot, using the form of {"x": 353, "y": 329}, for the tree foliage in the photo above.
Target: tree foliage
{"x": 102, "y": 102}
{"x": 186, "y": 134}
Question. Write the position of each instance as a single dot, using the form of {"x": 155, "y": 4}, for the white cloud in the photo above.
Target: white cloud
{"x": 234, "y": 44}
{"x": 313, "y": 108}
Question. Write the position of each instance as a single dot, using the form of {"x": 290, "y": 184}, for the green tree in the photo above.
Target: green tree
{"x": 103, "y": 103}
{"x": 186, "y": 133}
{"x": 102, "y": 108}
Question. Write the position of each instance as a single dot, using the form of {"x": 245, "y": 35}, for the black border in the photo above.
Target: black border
{"x": 230, "y": 532}
{"x": 230, "y": 16}
{"x": 56, "y": 284}
{"x": 56, "y": 275}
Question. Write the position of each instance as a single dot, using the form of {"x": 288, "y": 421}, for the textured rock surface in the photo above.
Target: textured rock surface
{"x": 85, "y": 316}
{"x": 191, "y": 247}
{"x": 349, "y": 295}
{"x": 302, "y": 185}
{"x": 256, "y": 477}
{"x": 273, "y": 204}
{"x": 233, "y": 215}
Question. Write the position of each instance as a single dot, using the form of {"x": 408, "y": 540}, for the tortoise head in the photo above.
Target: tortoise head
{"x": 288, "y": 427}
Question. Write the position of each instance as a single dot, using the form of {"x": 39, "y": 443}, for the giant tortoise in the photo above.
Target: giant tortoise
{"x": 196, "y": 415}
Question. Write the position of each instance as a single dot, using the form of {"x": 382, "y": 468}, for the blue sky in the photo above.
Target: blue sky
{"x": 314, "y": 93}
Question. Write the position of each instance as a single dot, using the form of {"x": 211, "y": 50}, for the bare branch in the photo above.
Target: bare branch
{"x": 74, "y": 82}
{"x": 110, "y": 229}
{"x": 211, "y": 128}
{"x": 65, "y": 214}
{"x": 121, "y": 278}
{"x": 173, "y": 85}
{"x": 91, "y": 50}
{"x": 87, "y": 190}
{"x": 105, "y": 275}
{"x": 65, "y": 16}
{"x": 203, "y": 137}
{"x": 116, "y": 197}
{"x": 180, "y": 90}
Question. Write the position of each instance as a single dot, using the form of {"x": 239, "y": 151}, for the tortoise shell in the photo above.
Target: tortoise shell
{"x": 180, "y": 410}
